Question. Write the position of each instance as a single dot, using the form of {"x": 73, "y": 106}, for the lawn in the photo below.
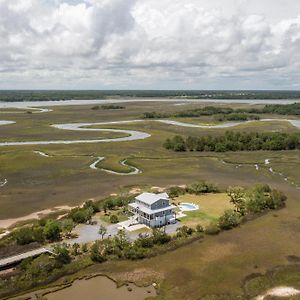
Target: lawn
{"x": 211, "y": 207}
{"x": 105, "y": 217}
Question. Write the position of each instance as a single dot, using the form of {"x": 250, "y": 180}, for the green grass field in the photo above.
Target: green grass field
{"x": 218, "y": 264}
{"x": 211, "y": 207}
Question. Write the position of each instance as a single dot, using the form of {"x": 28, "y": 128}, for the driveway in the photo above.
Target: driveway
{"x": 89, "y": 233}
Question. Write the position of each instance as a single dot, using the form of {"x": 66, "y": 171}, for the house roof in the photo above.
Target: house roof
{"x": 151, "y": 198}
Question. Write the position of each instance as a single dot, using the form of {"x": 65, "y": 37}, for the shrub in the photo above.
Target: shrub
{"x": 213, "y": 228}
{"x": 184, "y": 231}
{"x": 144, "y": 241}
{"x": 176, "y": 191}
{"x": 97, "y": 252}
{"x": 114, "y": 219}
{"x": 52, "y": 230}
{"x": 229, "y": 219}
{"x": 202, "y": 187}
{"x": 199, "y": 228}
{"x": 81, "y": 215}
{"x": 62, "y": 254}
{"x": 23, "y": 235}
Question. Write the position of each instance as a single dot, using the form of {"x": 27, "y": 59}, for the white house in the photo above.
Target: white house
{"x": 153, "y": 210}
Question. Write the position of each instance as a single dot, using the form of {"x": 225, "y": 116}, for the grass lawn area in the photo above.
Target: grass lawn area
{"x": 211, "y": 207}
{"x": 105, "y": 217}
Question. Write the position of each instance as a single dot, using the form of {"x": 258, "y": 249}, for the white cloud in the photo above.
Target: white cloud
{"x": 149, "y": 44}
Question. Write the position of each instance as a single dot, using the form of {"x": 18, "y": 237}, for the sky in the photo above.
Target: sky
{"x": 150, "y": 44}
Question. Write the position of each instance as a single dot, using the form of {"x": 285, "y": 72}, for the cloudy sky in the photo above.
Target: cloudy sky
{"x": 149, "y": 44}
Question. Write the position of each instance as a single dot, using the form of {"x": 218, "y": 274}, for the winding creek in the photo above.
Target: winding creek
{"x": 6, "y": 122}
{"x": 131, "y": 135}
{"x": 134, "y": 170}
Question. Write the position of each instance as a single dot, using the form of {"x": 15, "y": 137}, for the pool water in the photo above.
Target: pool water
{"x": 188, "y": 206}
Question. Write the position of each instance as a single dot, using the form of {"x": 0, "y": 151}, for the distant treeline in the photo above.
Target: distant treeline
{"x": 228, "y": 113}
{"x": 235, "y": 141}
{"x": 220, "y": 113}
{"x": 44, "y": 95}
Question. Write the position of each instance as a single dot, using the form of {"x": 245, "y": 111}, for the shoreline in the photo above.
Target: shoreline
{"x": 10, "y": 222}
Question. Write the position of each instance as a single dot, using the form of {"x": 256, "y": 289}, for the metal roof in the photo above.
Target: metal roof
{"x": 150, "y": 198}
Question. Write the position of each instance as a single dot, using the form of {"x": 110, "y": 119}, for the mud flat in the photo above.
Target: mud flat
{"x": 101, "y": 287}
{"x": 281, "y": 292}
{"x": 6, "y": 223}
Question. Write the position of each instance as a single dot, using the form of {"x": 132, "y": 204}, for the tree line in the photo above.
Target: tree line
{"x": 235, "y": 141}
{"x": 229, "y": 114}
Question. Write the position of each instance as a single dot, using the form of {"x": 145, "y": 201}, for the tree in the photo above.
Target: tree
{"x": 237, "y": 198}
{"x": 179, "y": 143}
{"x": 102, "y": 231}
{"x": 52, "y": 230}
{"x": 190, "y": 143}
{"x": 229, "y": 219}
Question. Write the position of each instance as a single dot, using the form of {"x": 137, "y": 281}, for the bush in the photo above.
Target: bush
{"x": 176, "y": 191}
{"x": 160, "y": 237}
{"x": 144, "y": 241}
{"x": 97, "y": 252}
{"x": 199, "y": 228}
{"x": 81, "y": 215}
{"x": 213, "y": 228}
{"x": 114, "y": 219}
{"x": 23, "y": 235}
{"x": 62, "y": 254}
{"x": 229, "y": 220}
{"x": 202, "y": 187}
{"x": 92, "y": 206}
{"x": 52, "y": 230}
{"x": 184, "y": 231}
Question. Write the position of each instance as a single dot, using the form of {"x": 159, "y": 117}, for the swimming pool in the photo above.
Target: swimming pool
{"x": 185, "y": 206}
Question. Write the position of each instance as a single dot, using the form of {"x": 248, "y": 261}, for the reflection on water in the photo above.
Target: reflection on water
{"x": 101, "y": 287}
